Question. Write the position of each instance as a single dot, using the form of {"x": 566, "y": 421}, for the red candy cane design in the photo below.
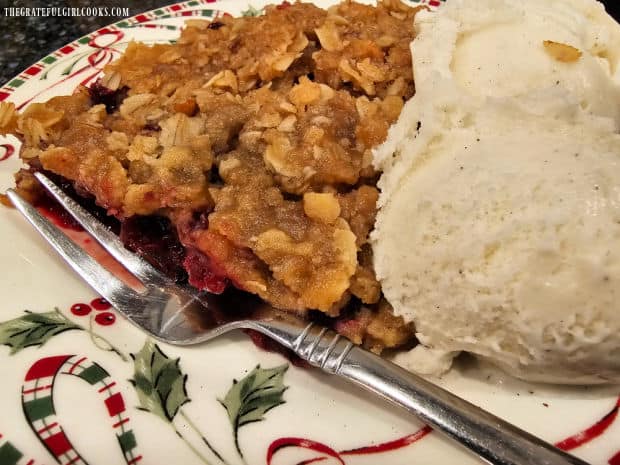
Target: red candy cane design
{"x": 38, "y": 405}
{"x": 592, "y": 432}
{"x": 104, "y": 53}
{"x": 615, "y": 460}
{"x": 569, "y": 443}
{"x": 327, "y": 451}
{"x": 8, "y": 151}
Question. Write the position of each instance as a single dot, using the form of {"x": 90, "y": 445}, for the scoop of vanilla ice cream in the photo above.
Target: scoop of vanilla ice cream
{"x": 503, "y": 240}
{"x": 498, "y": 231}
{"x": 496, "y": 48}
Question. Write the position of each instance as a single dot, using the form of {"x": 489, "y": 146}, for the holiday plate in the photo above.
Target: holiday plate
{"x": 80, "y": 385}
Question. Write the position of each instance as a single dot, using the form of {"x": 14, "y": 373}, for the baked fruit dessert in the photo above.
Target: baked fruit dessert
{"x": 244, "y": 148}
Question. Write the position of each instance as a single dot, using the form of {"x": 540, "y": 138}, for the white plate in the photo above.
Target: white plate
{"x": 67, "y": 393}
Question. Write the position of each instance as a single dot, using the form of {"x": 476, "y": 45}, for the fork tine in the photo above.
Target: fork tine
{"x": 140, "y": 268}
{"x": 109, "y": 286}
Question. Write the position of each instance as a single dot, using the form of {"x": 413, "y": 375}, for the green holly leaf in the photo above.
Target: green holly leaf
{"x": 250, "y": 398}
{"x": 159, "y": 382}
{"x": 34, "y": 329}
{"x": 251, "y": 11}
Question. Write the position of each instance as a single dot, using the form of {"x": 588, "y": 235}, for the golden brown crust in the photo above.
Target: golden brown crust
{"x": 376, "y": 328}
{"x": 8, "y": 118}
{"x": 263, "y": 125}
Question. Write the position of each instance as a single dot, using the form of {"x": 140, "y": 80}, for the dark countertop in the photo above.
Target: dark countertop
{"x": 25, "y": 40}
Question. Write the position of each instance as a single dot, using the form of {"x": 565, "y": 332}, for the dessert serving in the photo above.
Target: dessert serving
{"x": 291, "y": 156}
{"x": 248, "y": 142}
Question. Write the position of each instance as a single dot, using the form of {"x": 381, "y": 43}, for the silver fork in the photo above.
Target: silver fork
{"x": 182, "y": 316}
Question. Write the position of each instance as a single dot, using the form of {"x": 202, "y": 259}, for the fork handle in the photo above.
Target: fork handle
{"x": 491, "y": 438}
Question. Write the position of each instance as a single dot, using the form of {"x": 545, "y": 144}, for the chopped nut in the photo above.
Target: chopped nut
{"x": 33, "y": 131}
{"x": 287, "y": 124}
{"x": 288, "y": 107}
{"x": 354, "y": 76}
{"x": 245, "y": 86}
{"x": 180, "y": 130}
{"x": 224, "y": 79}
{"x": 169, "y": 56}
{"x": 328, "y": 36}
{"x": 337, "y": 19}
{"x": 385, "y": 41}
{"x": 304, "y": 93}
{"x": 200, "y": 24}
{"x": 250, "y": 137}
{"x": 365, "y": 108}
{"x": 46, "y": 116}
{"x": 275, "y": 156}
{"x": 299, "y": 43}
{"x": 255, "y": 286}
{"x": 142, "y": 147}
{"x": 321, "y": 120}
{"x": 111, "y": 81}
{"x": 326, "y": 93}
{"x": 313, "y": 135}
{"x": 155, "y": 114}
{"x": 134, "y": 102}
{"x": 277, "y": 240}
{"x": 308, "y": 172}
{"x": 318, "y": 153}
{"x": 228, "y": 165}
{"x": 372, "y": 72}
{"x": 117, "y": 141}
{"x": 187, "y": 107}
{"x": 97, "y": 113}
{"x": 8, "y": 117}
{"x": 200, "y": 143}
{"x": 344, "y": 243}
{"x": 321, "y": 207}
{"x": 269, "y": 120}
{"x": 283, "y": 62}
{"x": 562, "y": 52}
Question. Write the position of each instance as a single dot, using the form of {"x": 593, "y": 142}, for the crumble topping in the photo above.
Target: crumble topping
{"x": 253, "y": 136}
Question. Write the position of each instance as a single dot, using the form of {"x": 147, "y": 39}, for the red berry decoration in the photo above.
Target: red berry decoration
{"x": 80, "y": 309}
{"x": 100, "y": 304}
{"x": 105, "y": 318}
